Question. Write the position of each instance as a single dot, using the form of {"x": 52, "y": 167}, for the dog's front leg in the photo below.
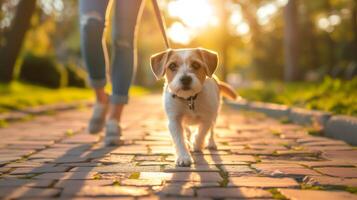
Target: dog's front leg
{"x": 183, "y": 157}
{"x": 200, "y": 137}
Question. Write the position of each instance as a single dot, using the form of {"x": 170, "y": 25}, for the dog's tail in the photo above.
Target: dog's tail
{"x": 225, "y": 89}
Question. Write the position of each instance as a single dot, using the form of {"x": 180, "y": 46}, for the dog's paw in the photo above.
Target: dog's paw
{"x": 211, "y": 145}
{"x": 184, "y": 161}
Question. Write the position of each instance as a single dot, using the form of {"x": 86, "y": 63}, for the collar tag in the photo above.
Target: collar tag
{"x": 190, "y": 101}
{"x": 191, "y": 104}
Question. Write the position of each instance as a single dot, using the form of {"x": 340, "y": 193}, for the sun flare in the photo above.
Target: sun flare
{"x": 193, "y": 16}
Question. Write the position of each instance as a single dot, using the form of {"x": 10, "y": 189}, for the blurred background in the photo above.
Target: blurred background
{"x": 294, "y": 52}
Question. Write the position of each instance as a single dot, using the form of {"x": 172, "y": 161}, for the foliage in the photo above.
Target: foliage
{"x": 334, "y": 95}
{"x": 76, "y": 76}
{"x": 19, "y": 95}
{"x": 43, "y": 70}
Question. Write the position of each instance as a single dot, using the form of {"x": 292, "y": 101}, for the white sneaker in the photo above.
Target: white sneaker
{"x": 112, "y": 133}
{"x": 96, "y": 123}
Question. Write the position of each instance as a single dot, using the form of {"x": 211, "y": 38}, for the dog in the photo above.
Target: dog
{"x": 191, "y": 96}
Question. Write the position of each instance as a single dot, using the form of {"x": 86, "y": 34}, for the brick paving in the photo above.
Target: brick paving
{"x": 52, "y": 156}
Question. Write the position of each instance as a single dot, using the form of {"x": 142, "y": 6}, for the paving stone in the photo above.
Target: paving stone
{"x": 27, "y": 192}
{"x": 131, "y": 150}
{"x": 284, "y": 170}
{"x": 172, "y": 198}
{"x": 81, "y": 139}
{"x": 113, "y": 176}
{"x": 192, "y": 168}
{"x": 210, "y": 152}
{"x": 115, "y": 159}
{"x": 316, "y": 194}
{"x": 4, "y": 169}
{"x": 177, "y": 190}
{"x": 328, "y": 148}
{"x": 148, "y": 163}
{"x": 28, "y": 164}
{"x": 250, "y": 152}
{"x": 183, "y": 176}
{"x": 65, "y": 183}
{"x": 40, "y": 170}
{"x": 106, "y": 191}
{"x": 141, "y": 182}
{"x": 67, "y": 175}
{"x": 297, "y": 152}
{"x": 327, "y": 180}
{"x": 237, "y": 170}
{"x": 253, "y": 152}
{"x": 149, "y": 158}
{"x": 12, "y": 182}
{"x": 70, "y": 159}
{"x": 262, "y": 182}
{"x": 313, "y": 164}
{"x": 83, "y": 164}
{"x": 118, "y": 168}
{"x": 345, "y": 172}
{"x": 325, "y": 142}
{"x": 27, "y": 146}
{"x": 267, "y": 146}
{"x": 233, "y": 193}
{"x": 218, "y": 160}
{"x": 162, "y": 149}
{"x": 154, "y": 143}
{"x": 347, "y": 156}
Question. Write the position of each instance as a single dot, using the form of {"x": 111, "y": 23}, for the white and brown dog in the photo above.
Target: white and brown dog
{"x": 191, "y": 96}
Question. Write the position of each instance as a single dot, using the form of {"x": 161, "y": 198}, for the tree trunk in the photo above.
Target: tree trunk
{"x": 314, "y": 58}
{"x": 13, "y": 39}
{"x": 291, "y": 72}
{"x": 354, "y": 27}
{"x": 225, "y": 39}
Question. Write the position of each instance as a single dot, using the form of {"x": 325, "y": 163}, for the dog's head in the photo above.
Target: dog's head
{"x": 185, "y": 70}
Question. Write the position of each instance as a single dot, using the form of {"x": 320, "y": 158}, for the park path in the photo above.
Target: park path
{"x": 52, "y": 156}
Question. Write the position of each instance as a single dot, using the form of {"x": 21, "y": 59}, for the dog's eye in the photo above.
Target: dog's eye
{"x": 173, "y": 66}
{"x": 195, "y": 65}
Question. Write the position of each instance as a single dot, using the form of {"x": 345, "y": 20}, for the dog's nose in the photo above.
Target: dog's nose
{"x": 186, "y": 80}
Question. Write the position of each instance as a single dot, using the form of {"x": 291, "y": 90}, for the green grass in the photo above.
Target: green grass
{"x": 333, "y": 95}
{"x": 18, "y": 95}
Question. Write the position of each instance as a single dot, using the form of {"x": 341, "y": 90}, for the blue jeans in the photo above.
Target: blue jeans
{"x": 95, "y": 54}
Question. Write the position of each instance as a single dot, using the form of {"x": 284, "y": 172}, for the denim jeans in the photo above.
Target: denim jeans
{"x": 93, "y": 22}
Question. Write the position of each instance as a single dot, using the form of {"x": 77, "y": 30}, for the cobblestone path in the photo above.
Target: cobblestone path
{"x": 52, "y": 156}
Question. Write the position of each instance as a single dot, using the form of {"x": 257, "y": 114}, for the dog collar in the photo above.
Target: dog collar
{"x": 190, "y": 100}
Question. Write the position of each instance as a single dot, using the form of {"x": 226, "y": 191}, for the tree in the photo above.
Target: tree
{"x": 291, "y": 41}
{"x": 13, "y": 39}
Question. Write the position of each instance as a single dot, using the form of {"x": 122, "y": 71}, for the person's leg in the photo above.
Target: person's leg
{"x": 127, "y": 14}
{"x": 92, "y": 25}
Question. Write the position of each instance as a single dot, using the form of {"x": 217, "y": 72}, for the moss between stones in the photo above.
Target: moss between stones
{"x": 134, "y": 175}
{"x": 276, "y": 194}
{"x": 349, "y": 189}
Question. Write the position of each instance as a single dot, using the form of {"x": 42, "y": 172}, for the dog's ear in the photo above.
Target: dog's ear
{"x": 158, "y": 62}
{"x": 210, "y": 58}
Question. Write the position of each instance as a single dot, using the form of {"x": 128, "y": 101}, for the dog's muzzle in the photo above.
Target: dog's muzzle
{"x": 186, "y": 82}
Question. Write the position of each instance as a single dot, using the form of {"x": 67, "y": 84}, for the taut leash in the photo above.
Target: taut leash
{"x": 161, "y": 21}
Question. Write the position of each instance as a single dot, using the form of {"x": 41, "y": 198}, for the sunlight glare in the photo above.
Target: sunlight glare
{"x": 265, "y": 13}
{"x": 194, "y": 14}
{"x": 178, "y": 33}
{"x": 328, "y": 23}
{"x": 243, "y": 28}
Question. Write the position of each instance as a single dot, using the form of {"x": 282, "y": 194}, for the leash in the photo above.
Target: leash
{"x": 161, "y": 21}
